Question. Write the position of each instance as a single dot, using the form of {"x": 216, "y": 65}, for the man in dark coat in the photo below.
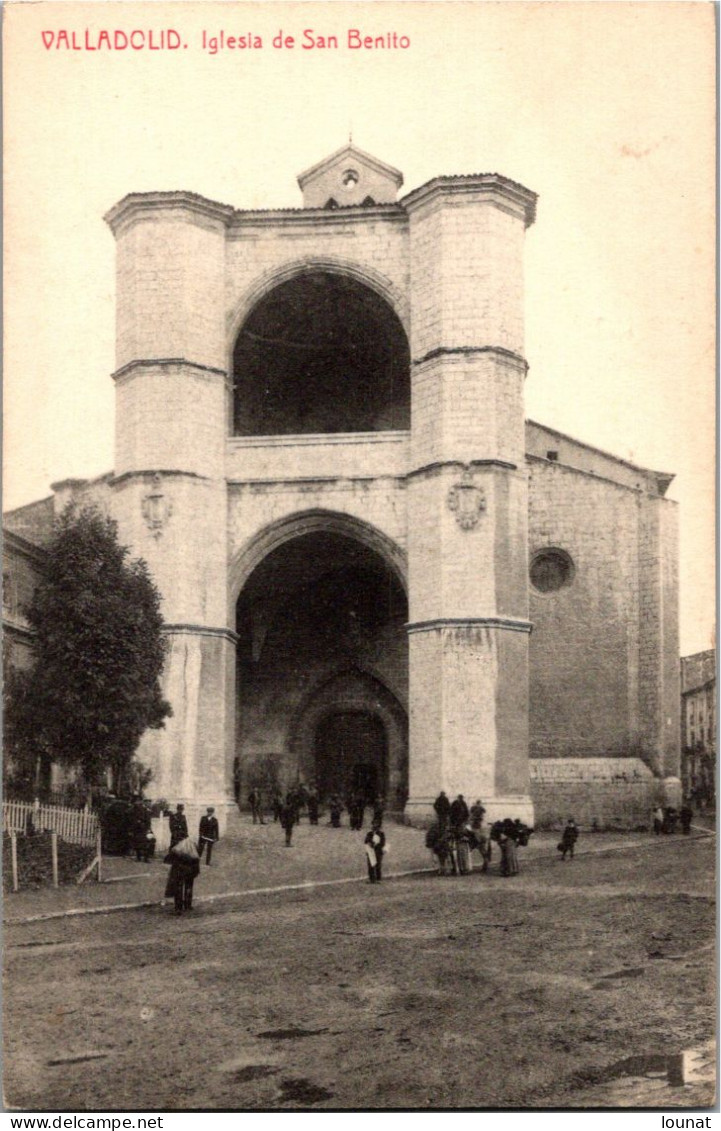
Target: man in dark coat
{"x": 356, "y": 810}
{"x": 178, "y": 825}
{"x": 277, "y": 804}
{"x": 289, "y": 816}
{"x": 459, "y": 813}
{"x": 442, "y": 807}
{"x": 255, "y": 801}
{"x": 335, "y": 806}
{"x": 142, "y": 841}
{"x": 476, "y": 815}
{"x": 209, "y": 833}
{"x": 183, "y": 872}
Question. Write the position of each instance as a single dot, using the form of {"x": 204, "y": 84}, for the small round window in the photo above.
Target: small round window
{"x": 551, "y": 570}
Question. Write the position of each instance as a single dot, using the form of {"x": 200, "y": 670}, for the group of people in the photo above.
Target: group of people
{"x": 666, "y": 819}
{"x": 186, "y": 854}
{"x": 287, "y": 809}
{"x": 459, "y": 830}
{"x": 287, "y": 812}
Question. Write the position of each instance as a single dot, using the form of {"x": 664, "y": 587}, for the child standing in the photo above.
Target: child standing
{"x": 568, "y": 839}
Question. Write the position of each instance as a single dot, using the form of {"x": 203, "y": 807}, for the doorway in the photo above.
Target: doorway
{"x": 350, "y": 755}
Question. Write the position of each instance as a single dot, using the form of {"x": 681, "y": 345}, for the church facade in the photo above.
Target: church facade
{"x": 376, "y": 574}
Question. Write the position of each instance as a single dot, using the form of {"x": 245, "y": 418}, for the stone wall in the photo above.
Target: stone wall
{"x": 597, "y": 792}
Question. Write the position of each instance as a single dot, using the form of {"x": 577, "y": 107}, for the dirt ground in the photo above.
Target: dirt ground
{"x": 423, "y": 992}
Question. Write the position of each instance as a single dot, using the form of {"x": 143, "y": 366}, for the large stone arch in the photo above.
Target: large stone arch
{"x": 320, "y": 349}
{"x": 268, "y": 280}
{"x": 347, "y": 691}
{"x": 308, "y": 522}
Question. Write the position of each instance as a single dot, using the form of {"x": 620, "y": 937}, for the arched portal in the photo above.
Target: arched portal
{"x": 322, "y": 666}
{"x": 321, "y": 352}
{"x": 350, "y": 755}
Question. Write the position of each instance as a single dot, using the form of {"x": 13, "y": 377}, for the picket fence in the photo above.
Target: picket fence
{"x": 72, "y": 825}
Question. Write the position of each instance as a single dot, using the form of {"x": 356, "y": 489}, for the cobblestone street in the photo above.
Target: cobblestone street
{"x": 581, "y": 984}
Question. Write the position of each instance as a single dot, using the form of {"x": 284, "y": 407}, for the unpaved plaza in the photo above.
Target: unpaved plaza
{"x": 422, "y": 992}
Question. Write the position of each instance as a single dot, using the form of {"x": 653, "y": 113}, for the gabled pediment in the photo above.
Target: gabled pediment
{"x": 349, "y": 177}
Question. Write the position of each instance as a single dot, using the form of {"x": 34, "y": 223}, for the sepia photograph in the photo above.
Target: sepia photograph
{"x": 359, "y": 413}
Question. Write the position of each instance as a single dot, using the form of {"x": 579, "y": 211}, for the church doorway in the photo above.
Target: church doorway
{"x": 350, "y": 755}
{"x": 322, "y": 665}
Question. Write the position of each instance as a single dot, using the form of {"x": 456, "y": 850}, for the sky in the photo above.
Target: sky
{"x": 606, "y": 110}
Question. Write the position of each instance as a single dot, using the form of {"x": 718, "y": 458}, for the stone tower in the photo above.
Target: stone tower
{"x": 169, "y": 485}
{"x": 468, "y": 495}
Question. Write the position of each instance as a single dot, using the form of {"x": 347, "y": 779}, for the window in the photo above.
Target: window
{"x": 550, "y": 570}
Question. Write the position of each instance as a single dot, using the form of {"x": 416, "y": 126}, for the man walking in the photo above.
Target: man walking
{"x": 209, "y": 834}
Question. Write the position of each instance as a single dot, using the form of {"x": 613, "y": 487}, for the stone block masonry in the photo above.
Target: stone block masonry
{"x": 322, "y": 581}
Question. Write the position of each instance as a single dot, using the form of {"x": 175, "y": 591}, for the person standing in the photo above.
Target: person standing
{"x": 184, "y": 867}
{"x": 356, "y": 810}
{"x": 178, "y": 825}
{"x": 657, "y": 815}
{"x": 509, "y": 853}
{"x": 568, "y": 839}
{"x": 476, "y": 815}
{"x": 686, "y": 815}
{"x": 277, "y": 804}
{"x": 236, "y": 780}
{"x": 375, "y": 843}
{"x": 481, "y": 840}
{"x": 313, "y": 805}
{"x": 288, "y": 817}
{"x": 256, "y": 802}
{"x": 442, "y": 808}
{"x": 335, "y": 806}
{"x": 459, "y": 813}
{"x": 183, "y": 873}
{"x": 142, "y": 838}
{"x": 378, "y": 808}
{"x": 209, "y": 833}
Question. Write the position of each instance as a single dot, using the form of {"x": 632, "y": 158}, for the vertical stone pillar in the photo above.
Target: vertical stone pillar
{"x": 169, "y": 488}
{"x": 468, "y": 496}
{"x": 659, "y": 679}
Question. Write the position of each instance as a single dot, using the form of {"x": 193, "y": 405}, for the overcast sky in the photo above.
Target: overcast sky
{"x": 606, "y": 110}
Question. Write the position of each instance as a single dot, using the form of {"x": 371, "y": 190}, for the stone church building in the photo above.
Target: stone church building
{"x": 376, "y": 573}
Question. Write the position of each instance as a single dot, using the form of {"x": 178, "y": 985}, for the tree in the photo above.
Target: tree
{"x": 99, "y": 653}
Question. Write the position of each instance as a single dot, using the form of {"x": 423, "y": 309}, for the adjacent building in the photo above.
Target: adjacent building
{"x": 698, "y": 726}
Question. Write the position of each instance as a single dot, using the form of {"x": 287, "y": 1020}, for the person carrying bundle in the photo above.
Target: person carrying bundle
{"x": 184, "y": 867}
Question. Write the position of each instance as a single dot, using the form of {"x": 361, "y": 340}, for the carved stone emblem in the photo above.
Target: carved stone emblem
{"x": 157, "y": 509}
{"x": 466, "y": 501}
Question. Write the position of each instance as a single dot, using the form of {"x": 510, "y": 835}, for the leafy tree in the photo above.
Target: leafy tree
{"x": 99, "y": 653}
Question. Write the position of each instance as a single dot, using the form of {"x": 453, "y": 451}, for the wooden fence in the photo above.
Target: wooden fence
{"x": 72, "y": 825}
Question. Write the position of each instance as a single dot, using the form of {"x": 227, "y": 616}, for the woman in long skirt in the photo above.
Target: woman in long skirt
{"x": 509, "y": 855}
